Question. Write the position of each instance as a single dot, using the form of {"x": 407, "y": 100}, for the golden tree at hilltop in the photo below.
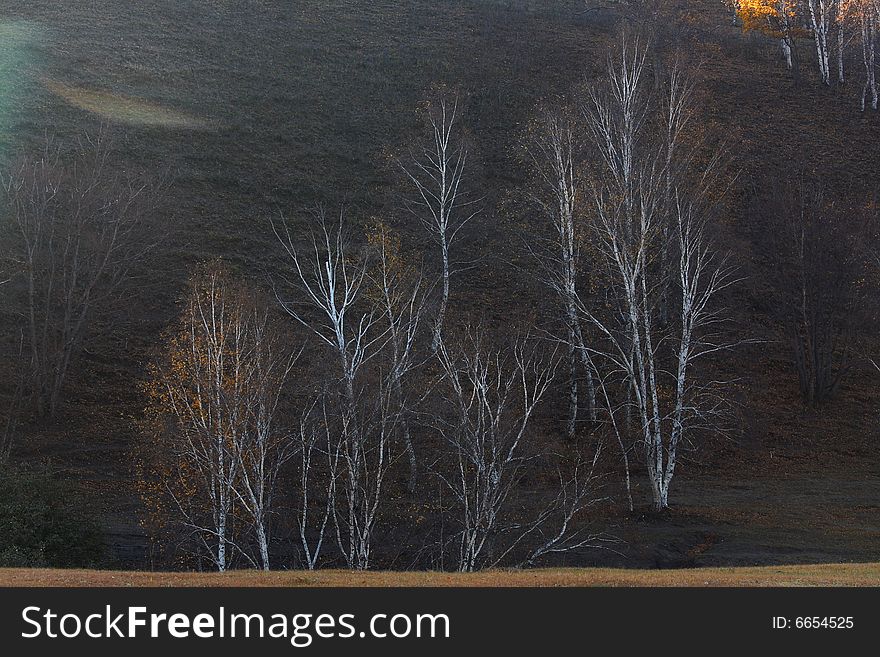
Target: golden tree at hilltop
{"x": 759, "y": 15}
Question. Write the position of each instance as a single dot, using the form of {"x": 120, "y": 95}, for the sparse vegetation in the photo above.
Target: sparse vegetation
{"x": 46, "y": 522}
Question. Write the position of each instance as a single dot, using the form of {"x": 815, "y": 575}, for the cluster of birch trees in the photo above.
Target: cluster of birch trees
{"x": 241, "y": 438}
{"x": 411, "y": 398}
{"x": 631, "y": 214}
{"x": 840, "y": 31}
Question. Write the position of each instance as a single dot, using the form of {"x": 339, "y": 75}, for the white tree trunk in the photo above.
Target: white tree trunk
{"x": 868, "y": 20}
{"x": 444, "y": 298}
{"x": 572, "y": 387}
{"x": 263, "y": 543}
{"x": 786, "y": 52}
{"x": 221, "y": 525}
{"x": 820, "y": 17}
{"x": 442, "y": 205}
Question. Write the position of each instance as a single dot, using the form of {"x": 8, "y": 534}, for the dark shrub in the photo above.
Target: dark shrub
{"x": 45, "y": 523}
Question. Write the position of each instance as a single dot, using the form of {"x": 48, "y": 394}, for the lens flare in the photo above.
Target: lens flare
{"x": 19, "y": 56}
{"x": 124, "y": 109}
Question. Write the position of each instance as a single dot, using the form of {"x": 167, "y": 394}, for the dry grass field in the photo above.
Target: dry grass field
{"x": 864, "y": 574}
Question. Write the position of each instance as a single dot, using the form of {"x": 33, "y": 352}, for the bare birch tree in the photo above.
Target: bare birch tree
{"x": 819, "y": 262}
{"x": 490, "y": 397}
{"x": 786, "y": 16}
{"x": 862, "y": 16}
{"x": 399, "y": 294}
{"x": 494, "y": 395}
{"x": 552, "y": 154}
{"x": 629, "y": 201}
{"x": 441, "y": 202}
{"x": 263, "y": 447}
{"x": 823, "y": 16}
{"x": 332, "y": 302}
{"x": 869, "y": 14}
{"x": 318, "y": 472}
{"x": 217, "y": 391}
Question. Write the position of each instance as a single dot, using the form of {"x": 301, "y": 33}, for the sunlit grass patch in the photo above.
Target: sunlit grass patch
{"x": 125, "y": 109}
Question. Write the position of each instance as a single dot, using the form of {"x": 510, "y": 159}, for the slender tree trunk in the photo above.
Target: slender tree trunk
{"x": 572, "y": 387}
{"x": 786, "y": 52}
{"x": 587, "y": 362}
{"x": 444, "y": 299}
{"x": 787, "y": 42}
{"x": 263, "y": 541}
{"x": 221, "y": 530}
{"x": 407, "y": 441}
{"x": 819, "y": 21}
{"x": 868, "y": 50}
{"x": 822, "y": 51}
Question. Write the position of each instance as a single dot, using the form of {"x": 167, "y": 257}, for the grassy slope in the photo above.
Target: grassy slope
{"x": 867, "y": 574}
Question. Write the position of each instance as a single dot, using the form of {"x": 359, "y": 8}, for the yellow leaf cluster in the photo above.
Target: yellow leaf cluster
{"x": 763, "y": 16}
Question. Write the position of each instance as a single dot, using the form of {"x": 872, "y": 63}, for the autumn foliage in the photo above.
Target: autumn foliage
{"x": 212, "y": 397}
